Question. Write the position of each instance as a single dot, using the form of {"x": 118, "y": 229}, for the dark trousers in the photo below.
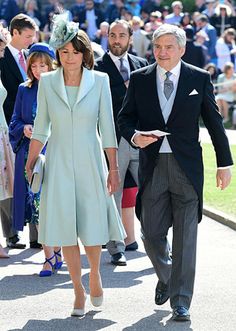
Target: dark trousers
{"x": 6, "y": 221}
{"x": 169, "y": 199}
{"x": 6, "y": 218}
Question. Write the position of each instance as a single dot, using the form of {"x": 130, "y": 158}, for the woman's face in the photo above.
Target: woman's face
{"x": 31, "y": 5}
{"x": 38, "y": 67}
{"x": 229, "y": 72}
{"x": 70, "y": 58}
{"x": 186, "y": 20}
{"x": 2, "y": 48}
{"x": 211, "y": 70}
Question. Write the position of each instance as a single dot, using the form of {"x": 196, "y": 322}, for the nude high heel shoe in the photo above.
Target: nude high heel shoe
{"x": 79, "y": 312}
{"x": 3, "y": 253}
{"x": 96, "y": 301}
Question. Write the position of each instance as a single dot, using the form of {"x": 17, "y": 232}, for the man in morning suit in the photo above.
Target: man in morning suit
{"x": 170, "y": 96}
{"x": 118, "y": 64}
{"x": 13, "y": 73}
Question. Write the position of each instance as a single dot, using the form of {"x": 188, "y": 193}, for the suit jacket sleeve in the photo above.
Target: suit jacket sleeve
{"x": 16, "y": 127}
{"x": 213, "y": 122}
{"x": 42, "y": 122}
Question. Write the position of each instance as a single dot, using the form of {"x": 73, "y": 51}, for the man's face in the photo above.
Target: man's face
{"x": 24, "y": 38}
{"x": 177, "y": 9}
{"x": 167, "y": 52}
{"x": 118, "y": 39}
{"x": 89, "y": 5}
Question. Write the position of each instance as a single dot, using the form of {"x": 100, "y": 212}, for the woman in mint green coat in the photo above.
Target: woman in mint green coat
{"x": 75, "y": 117}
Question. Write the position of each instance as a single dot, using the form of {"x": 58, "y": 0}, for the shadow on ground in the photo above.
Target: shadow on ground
{"x": 88, "y": 323}
{"x": 160, "y": 320}
{"x": 19, "y": 286}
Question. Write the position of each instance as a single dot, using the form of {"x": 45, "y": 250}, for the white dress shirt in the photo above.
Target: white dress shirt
{"x": 174, "y": 77}
{"x": 116, "y": 60}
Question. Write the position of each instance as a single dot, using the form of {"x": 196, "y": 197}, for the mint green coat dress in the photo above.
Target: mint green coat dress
{"x": 74, "y": 199}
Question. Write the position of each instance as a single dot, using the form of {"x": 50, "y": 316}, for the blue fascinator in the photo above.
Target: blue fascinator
{"x": 63, "y": 31}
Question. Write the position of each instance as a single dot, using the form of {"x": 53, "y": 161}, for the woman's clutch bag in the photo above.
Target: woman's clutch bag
{"x": 38, "y": 172}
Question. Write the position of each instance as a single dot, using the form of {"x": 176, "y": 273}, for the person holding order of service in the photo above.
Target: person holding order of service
{"x": 75, "y": 117}
{"x": 171, "y": 169}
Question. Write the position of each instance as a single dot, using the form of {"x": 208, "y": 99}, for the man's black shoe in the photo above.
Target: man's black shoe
{"x": 13, "y": 242}
{"x": 35, "y": 244}
{"x": 118, "y": 259}
{"x": 180, "y": 314}
{"x": 161, "y": 294}
{"x": 132, "y": 247}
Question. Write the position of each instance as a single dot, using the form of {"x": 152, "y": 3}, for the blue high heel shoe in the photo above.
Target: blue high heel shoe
{"x": 48, "y": 273}
{"x": 58, "y": 264}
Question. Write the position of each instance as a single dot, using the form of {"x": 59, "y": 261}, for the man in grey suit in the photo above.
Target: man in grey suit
{"x": 170, "y": 95}
{"x": 118, "y": 64}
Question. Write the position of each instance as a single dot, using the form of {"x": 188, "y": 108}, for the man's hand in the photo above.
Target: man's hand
{"x": 143, "y": 140}
{"x": 223, "y": 178}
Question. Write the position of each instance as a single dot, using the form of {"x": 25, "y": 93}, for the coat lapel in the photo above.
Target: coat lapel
{"x": 133, "y": 62}
{"x": 151, "y": 85}
{"x": 184, "y": 78}
{"x": 12, "y": 65}
{"x": 111, "y": 69}
{"x": 86, "y": 84}
{"x": 58, "y": 84}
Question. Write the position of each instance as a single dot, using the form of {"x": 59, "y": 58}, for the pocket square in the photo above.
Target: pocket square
{"x": 194, "y": 92}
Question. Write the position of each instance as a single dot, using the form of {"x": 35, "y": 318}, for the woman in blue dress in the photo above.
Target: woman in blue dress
{"x": 25, "y": 203}
{"x": 75, "y": 118}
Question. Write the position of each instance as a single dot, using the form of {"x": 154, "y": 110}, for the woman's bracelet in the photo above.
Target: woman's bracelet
{"x": 114, "y": 170}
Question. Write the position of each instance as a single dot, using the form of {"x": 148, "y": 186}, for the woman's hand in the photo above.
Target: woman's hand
{"x": 35, "y": 148}
{"x": 28, "y": 130}
{"x": 113, "y": 181}
{"x": 29, "y": 171}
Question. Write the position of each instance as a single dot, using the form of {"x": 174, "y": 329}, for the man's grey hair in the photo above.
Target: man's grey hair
{"x": 164, "y": 29}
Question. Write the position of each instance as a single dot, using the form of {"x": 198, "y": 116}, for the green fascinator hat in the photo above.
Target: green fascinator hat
{"x": 63, "y": 31}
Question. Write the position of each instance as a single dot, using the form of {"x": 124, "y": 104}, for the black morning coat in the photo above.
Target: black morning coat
{"x": 141, "y": 110}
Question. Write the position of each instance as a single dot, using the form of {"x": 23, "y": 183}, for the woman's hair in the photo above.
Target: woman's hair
{"x": 228, "y": 66}
{"x": 227, "y": 32}
{"x": 82, "y": 44}
{"x": 33, "y": 57}
{"x": 27, "y": 3}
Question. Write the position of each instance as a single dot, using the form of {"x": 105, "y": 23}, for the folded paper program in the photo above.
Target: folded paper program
{"x": 156, "y": 133}
{"x": 38, "y": 173}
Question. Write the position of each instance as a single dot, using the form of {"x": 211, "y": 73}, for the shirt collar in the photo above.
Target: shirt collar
{"x": 175, "y": 71}
{"x": 116, "y": 58}
{"x": 14, "y": 51}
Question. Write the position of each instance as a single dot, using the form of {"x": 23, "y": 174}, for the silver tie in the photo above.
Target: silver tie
{"x": 123, "y": 70}
{"x": 168, "y": 85}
